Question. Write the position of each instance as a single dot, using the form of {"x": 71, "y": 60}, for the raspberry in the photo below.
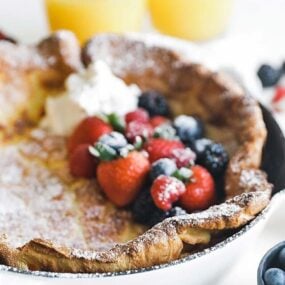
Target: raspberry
{"x": 139, "y": 115}
{"x": 166, "y": 190}
{"x": 138, "y": 129}
{"x": 183, "y": 157}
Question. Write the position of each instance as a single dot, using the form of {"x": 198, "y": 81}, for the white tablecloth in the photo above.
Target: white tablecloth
{"x": 256, "y": 34}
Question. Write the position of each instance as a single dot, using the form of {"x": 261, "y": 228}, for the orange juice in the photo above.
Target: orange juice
{"x": 88, "y": 17}
{"x": 191, "y": 19}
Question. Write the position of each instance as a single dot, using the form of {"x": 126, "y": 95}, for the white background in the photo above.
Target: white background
{"x": 256, "y": 34}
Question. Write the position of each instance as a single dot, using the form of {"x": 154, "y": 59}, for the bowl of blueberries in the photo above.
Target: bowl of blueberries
{"x": 271, "y": 270}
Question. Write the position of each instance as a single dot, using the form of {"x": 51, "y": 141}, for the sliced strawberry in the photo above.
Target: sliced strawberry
{"x": 138, "y": 129}
{"x": 88, "y": 132}
{"x": 166, "y": 190}
{"x": 139, "y": 115}
{"x": 200, "y": 192}
{"x": 121, "y": 179}
{"x": 82, "y": 163}
{"x": 156, "y": 121}
{"x": 162, "y": 148}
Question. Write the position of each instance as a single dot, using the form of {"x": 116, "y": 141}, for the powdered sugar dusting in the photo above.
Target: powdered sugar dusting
{"x": 20, "y": 57}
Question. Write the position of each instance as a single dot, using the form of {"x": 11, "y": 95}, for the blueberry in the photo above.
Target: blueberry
{"x": 199, "y": 146}
{"x": 159, "y": 215}
{"x": 214, "y": 158}
{"x": 176, "y": 211}
{"x": 165, "y": 131}
{"x": 281, "y": 258}
{"x": 188, "y": 128}
{"x": 164, "y": 166}
{"x": 155, "y": 103}
{"x": 114, "y": 140}
{"x": 268, "y": 75}
{"x": 274, "y": 276}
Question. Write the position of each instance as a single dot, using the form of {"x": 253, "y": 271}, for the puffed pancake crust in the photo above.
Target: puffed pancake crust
{"x": 51, "y": 221}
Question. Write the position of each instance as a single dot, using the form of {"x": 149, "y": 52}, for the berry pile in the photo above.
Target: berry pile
{"x": 276, "y": 275}
{"x": 160, "y": 167}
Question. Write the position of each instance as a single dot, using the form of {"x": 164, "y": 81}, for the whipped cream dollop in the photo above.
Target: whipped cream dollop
{"x": 92, "y": 91}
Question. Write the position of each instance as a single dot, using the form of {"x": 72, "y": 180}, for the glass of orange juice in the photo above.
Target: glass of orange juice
{"x": 88, "y": 17}
{"x": 191, "y": 19}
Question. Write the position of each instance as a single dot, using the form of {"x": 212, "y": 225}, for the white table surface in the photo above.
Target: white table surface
{"x": 256, "y": 34}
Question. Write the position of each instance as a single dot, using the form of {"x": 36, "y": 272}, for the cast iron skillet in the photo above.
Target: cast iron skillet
{"x": 273, "y": 163}
{"x": 273, "y": 160}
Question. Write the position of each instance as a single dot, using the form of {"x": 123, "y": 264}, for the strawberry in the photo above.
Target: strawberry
{"x": 88, "y": 132}
{"x": 139, "y": 115}
{"x": 121, "y": 179}
{"x": 138, "y": 129}
{"x": 156, "y": 121}
{"x": 82, "y": 163}
{"x": 200, "y": 192}
{"x": 166, "y": 190}
{"x": 162, "y": 148}
{"x": 183, "y": 157}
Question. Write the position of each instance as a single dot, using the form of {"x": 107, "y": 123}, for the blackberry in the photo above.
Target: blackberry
{"x": 214, "y": 158}
{"x": 163, "y": 166}
{"x": 188, "y": 128}
{"x": 114, "y": 140}
{"x": 159, "y": 215}
{"x": 143, "y": 207}
{"x": 199, "y": 146}
{"x": 155, "y": 103}
{"x": 268, "y": 75}
{"x": 145, "y": 212}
